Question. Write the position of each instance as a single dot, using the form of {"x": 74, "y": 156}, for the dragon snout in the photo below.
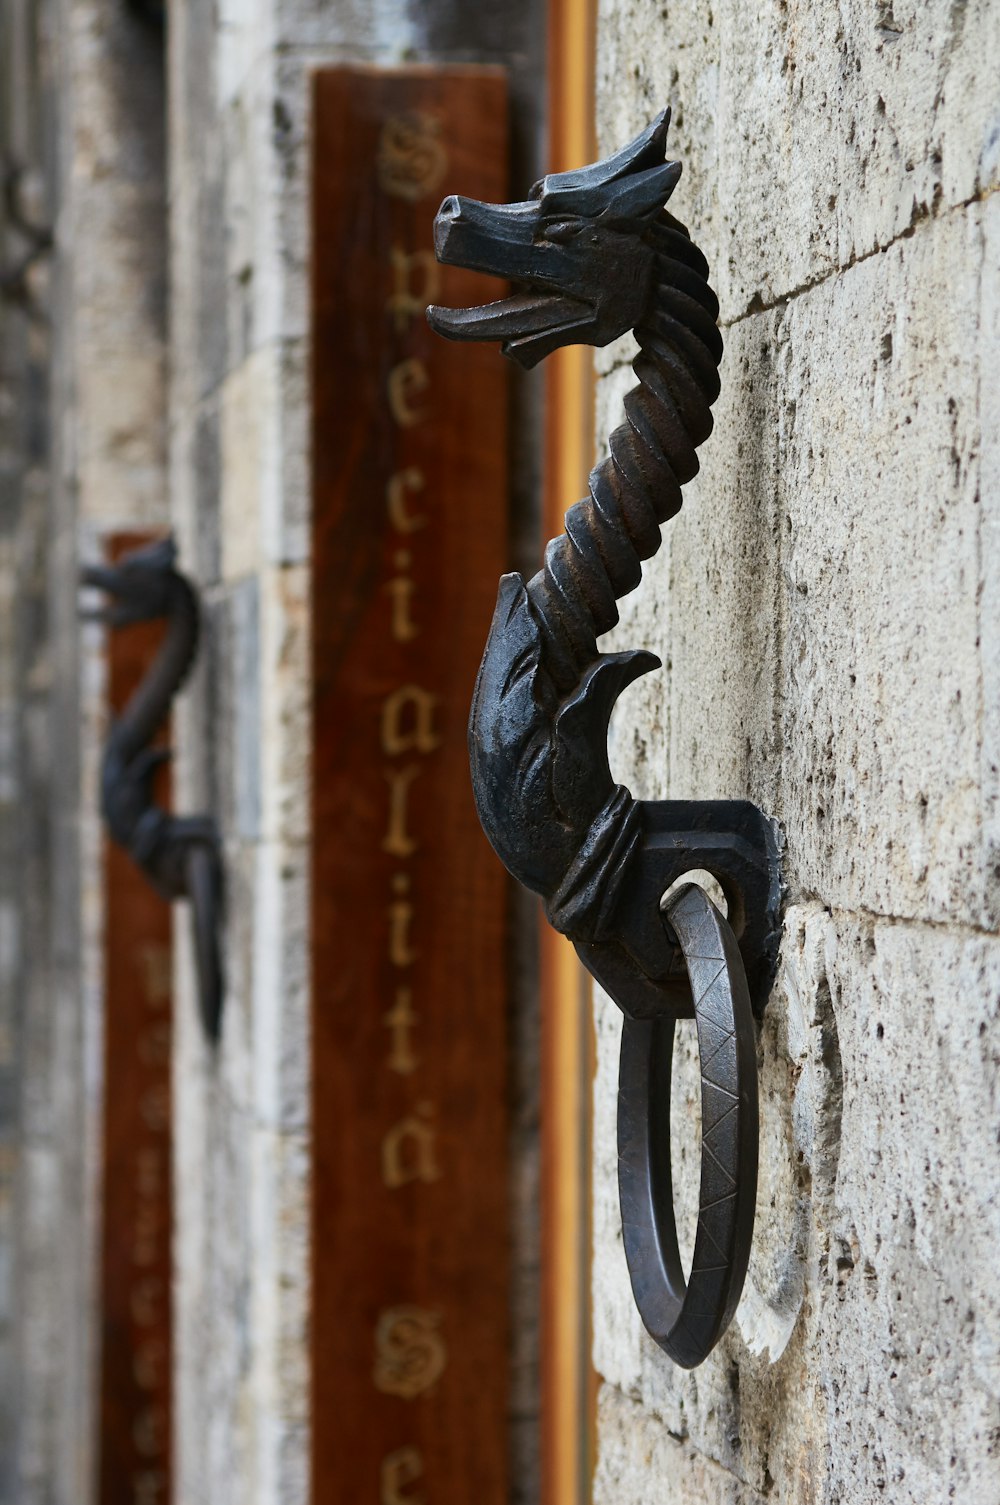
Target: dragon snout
{"x": 136, "y": 595}
{"x": 99, "y": 577}
{"x": 447, "y": 218}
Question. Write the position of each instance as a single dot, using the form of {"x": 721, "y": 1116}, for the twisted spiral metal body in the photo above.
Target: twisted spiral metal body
{"x": 158, "y": 840}
{"x": 637, "y": 487}
{"x": 149, "y": 705}
{"x": 180, "y": 855}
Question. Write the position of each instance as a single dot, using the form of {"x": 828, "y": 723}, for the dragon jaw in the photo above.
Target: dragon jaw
{"x": 139, "y": 585}
{"x": 576, "y": 251}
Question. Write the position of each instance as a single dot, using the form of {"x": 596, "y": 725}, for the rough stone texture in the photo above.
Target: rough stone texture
{"x": 826, "y": 609}
{"x": 811, "y": 136}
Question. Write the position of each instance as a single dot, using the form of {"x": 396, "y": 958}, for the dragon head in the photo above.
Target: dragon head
{"x": 140, "y": 584}
{"x": 576, "y": 251}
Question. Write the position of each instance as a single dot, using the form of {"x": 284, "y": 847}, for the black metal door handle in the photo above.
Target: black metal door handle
{"x": 687, "y": 1319}
{"x": 180, "y": 855}
{"x": 594, "y": 253}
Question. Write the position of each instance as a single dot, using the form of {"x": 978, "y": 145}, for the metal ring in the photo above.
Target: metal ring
{"x": 688, "y": 1319}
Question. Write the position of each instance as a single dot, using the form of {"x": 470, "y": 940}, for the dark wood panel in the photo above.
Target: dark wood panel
{"x": 135, "y": 1277}
{"x": 410, "y": 1288}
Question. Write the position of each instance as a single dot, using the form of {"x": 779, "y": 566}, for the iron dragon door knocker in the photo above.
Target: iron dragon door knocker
{"x": 179, "y": 854}
{"x": 593, "y": 254}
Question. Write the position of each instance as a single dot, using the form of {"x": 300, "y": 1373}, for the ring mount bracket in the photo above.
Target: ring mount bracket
{"x": 642, "y": 967}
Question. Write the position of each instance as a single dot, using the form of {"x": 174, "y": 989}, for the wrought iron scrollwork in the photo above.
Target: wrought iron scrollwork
{"x": 592, "y": 254}
{"x": 179, "y": 854}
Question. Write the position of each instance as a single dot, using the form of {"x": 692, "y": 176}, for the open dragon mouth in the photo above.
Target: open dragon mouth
{"x": 517, "y": 321}
{"x": 100, "y": 577}
{"x": 502, "y": 241}
{"x": 577, "y": 254}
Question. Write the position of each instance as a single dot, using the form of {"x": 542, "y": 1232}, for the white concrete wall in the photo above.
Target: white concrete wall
{"x": 827, "y": 609}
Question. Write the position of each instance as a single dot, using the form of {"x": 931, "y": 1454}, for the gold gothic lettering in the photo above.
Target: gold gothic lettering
{"x": 401, "y": 953}
{"x": 411, "y": 479}
{"x": 146, "y": 1297}
{"x": 400, "y": 588}
{"x": 403, "y": 303}
{"x": 417, "y": 736}
{"x": 149, "y": 1170}
{"x": 406, "y": 381}
{"x": 401, "y": 1019}
{"x": 147, "y": 1243}
{"x": 147, "y": 1365}
{"x": 408, "y": 1151}
{"x": 149, "y": 1487}
{"x": 412, "y": 158}
{"x": 155, "y": 1107}
{"x": 149, "y": 1432}
{"x": 154, "y": 1045}
{"x": 400, "y": 1469}
{"x": 396, "y": 841}
{"x": 410, "y": 1353}
{"x": 156, "y": 964}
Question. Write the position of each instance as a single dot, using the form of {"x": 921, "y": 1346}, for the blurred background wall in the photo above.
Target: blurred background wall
{"x": 239, "y": 94}
{"x": 83, "y": 330}
{"x": 153, "y": 376}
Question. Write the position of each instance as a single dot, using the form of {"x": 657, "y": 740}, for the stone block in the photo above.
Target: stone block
{"x": 811, "y": 135}
{"x": 234, "y": 1058}
{"x": 281, "y": 1064}
{"x": 356, "y": 29}
{"x": 862, "y": 1362}
{"x": 244, "y": 707}
{"x": 819, "y": 604}
{"x": 286, "y": 704}
{"x": 281, "y": 1272}
{"x": 250, "y": 456}
{"x": 879, "y": 557}
{"x": 640, "y": 1461}
{"x": 989, "y": 547}
{"x": 617, "y": 1329}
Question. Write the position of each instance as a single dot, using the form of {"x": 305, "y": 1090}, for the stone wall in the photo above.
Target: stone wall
{"x": 826, "y": 609}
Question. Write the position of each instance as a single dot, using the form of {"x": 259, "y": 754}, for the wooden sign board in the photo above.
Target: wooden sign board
{"x": 410, "y": 1287}
{"x": 135, "y": 1279}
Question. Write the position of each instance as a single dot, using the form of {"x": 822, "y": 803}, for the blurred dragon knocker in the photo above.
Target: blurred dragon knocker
{"x": 593, "y": 254}
{"x": 178, "y": 854}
